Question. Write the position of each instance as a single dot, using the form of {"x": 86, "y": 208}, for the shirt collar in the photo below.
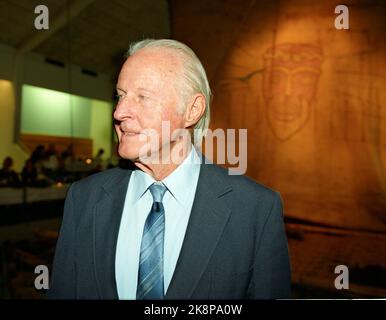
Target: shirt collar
{"x": 141, "y": 181}
{"x": 177, "y": 182}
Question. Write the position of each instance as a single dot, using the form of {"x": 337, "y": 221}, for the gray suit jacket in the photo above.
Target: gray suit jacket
{"x": 235, "y": 245}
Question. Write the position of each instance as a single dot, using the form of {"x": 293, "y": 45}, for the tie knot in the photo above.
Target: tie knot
{"x": 157, "y": 191}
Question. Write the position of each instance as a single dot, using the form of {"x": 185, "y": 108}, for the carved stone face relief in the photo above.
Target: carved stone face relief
{"x": 290, "y": 79}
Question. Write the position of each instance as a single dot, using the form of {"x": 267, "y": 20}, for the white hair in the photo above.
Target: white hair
{"x": 194, "y": 79}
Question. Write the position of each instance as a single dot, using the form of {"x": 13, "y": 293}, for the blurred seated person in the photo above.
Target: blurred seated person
{"x": 38, "y": 154}
{"x": 68, "y": 159}
{"x": 32, "y": 176}
{"x": 30, "y": 173}
{"x": 50, "y": 163}
{"x": 98, "y": 161}
{"x": 71, "y": 164}
{"x": 63, "y": 160}
{"x": 9, "y": 177}
{"x": 38, "y": 157}
{"x": 68, "y": 152}
{"x": 98, "y": 158}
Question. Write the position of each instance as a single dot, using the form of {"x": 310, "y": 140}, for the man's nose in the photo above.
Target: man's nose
{"x": 288, "y": 86}
{"x": 124, "y": 110}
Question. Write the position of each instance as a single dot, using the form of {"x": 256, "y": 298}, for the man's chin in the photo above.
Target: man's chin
{"x": 128, "y": 154}
{"x": 135, "y": 156}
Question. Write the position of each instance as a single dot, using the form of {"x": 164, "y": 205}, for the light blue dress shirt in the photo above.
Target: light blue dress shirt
{"x": 178, "y": 200}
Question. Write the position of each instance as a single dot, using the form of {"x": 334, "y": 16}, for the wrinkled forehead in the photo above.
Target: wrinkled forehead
{"x": 154, "y": 61}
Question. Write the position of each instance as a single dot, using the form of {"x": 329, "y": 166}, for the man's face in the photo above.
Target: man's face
{"x": 147, "y": 98}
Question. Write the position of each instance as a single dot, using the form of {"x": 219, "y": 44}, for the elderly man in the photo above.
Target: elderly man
{"x": 177, "y": 227}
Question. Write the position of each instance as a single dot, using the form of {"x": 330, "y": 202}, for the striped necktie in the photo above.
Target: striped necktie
{"x": 151, "y": 263}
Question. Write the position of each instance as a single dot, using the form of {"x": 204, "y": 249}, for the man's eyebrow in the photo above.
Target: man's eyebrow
{"x": 119, "y": 89}
{"x": 144, "y": 89}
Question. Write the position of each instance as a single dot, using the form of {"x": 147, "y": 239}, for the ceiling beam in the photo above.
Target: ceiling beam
{"x": 69, "y": 13}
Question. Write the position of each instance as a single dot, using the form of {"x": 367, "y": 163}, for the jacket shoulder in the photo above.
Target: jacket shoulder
{"x": 242, "y": 183}
{"x": 100, "y": 178}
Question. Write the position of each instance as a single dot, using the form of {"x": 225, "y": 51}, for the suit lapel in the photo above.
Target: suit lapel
{"x": 107, "y": 218}
{"x": 208, "y": 218}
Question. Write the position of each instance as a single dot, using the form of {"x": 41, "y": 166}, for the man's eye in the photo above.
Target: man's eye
{"x": 142, "y": 97}
{"x": 119, "y": 97}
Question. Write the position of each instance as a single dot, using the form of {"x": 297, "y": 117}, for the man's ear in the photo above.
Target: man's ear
{"x": 194, "y": 110}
